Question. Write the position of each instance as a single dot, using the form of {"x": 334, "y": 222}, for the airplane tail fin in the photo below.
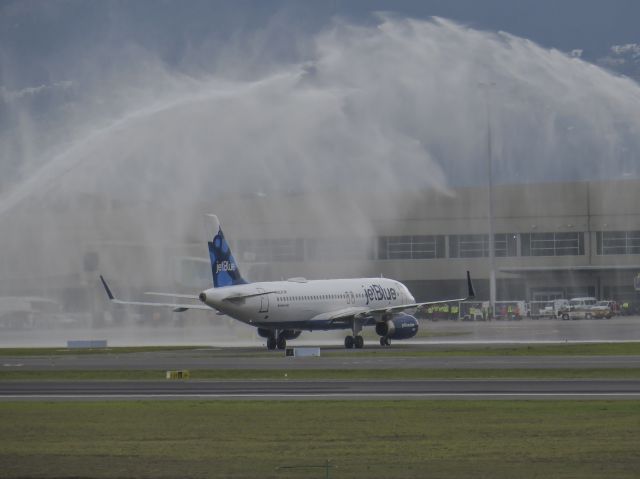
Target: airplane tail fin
{"x": 223, "y": 265}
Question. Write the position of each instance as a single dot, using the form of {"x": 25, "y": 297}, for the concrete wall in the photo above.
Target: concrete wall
{"x": 138, "y": 243}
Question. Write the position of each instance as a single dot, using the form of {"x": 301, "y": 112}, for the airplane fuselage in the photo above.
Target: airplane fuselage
{"x": 280, "y": 310}
{"x": 304, "y": 305}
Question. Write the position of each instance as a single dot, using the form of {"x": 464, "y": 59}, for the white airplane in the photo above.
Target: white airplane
{"x": 281, "y": 310}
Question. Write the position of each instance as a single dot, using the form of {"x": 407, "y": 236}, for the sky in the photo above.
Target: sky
{"x": 159, "y": 105}
{"x": 73, "y": 72}
{"x": 40, "y": 38}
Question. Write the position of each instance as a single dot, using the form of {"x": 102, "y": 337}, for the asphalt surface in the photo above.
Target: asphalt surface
{"x": 252, "y": 358}
{"x": 364, "y": 389}
{"x": 223, "y": 332}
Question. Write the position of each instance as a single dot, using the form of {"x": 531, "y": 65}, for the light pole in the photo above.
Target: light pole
{"x": 492, "y": 256}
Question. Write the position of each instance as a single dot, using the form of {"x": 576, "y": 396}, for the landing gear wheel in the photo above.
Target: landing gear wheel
{"x": 271, "y": 343}
{"x": 384, "y": 341}
{"x": 348, "y": 342}
{"x": 358, "y": 342}
{"x": 282, "y": 342}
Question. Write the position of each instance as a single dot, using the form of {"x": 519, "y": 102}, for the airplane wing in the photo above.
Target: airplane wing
{"x": 233, "y": 298}
{"x": 341, "y": 314}
{"x": 177, "y": 308}
{"x": 363, "y": 312}
{"x": 391, "y": 309}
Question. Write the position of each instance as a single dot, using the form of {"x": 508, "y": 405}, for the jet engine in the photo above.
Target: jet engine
{"x": 290, "y": 333}
{"x": 265, "y": 333}
{"x": 286, "y": 333}
{"x": 400, "y": 326}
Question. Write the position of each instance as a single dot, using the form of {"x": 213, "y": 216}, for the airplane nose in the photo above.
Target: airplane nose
{"x": 203, "y": 297}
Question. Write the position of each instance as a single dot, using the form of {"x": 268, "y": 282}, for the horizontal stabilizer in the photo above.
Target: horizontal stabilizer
{"x": 173, "y": 295}
{"x": 178, "y": 308}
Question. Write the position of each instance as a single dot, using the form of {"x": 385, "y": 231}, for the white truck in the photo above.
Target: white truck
{"x": 580, "y": 308}
{"x": 553, "y": 309}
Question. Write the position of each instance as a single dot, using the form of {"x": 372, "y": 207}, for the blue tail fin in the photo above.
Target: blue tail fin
{"x": 223, "y": 266}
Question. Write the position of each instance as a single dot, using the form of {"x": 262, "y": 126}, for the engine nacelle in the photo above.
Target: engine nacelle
{"x": 287, "y": 333}
{"x": 290, "y": 333}
{"x": 265, "y": 333}
{"x": 400, "y": 326}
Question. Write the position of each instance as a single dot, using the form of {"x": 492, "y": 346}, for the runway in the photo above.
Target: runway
{"x": 419, "y": 354}
{"x": 225, "y": 332}
{"x": 322, "y": 389}
{"x": 250, "y": 358}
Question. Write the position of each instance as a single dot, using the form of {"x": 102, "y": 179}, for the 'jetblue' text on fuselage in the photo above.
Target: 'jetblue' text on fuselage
{"x": 375, "y": 292}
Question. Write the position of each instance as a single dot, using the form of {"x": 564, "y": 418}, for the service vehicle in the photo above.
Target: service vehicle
{"x": 554, "y": 309}
{"x": 603, "y": 309}
{"x": 580, "y": 308}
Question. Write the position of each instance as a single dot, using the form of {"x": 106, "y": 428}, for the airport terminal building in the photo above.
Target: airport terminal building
{"x": 556, "y": 240}
{"x": 552, "y": 240}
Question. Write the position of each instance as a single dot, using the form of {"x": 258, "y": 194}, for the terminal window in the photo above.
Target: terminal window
{"x": 505, "y": 244}
{"x": 411, "y": 247}
{"x": 468, "y": 246}
{"x": 552, "y": 244}
{"x": 617, "y": 242}
{"x": 331, "y": 249}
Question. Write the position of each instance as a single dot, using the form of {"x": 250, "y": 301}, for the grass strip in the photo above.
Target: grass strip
{"x": 75, "y": 351}
{"x": 361, "y": 439}
{"x": 565, "y": 349}
{"x": 306, "y": 374}
{"x": 398, "y": 350}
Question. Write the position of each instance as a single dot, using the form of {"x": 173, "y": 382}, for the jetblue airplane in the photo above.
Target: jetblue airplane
{"x": 281, "y": 310}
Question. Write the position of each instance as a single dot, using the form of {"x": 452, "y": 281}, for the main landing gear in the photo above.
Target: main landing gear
{"x": 274, "y": 342}
{"x": 356, "y": 340}
{"x": 384, "y": 341}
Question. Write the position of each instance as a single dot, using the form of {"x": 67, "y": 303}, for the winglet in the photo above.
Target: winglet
{"x": 106, "y": 287}
{"x": 471, "y": 292}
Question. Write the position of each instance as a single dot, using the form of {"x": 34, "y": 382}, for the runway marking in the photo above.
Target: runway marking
{"x": 323, "y": 395}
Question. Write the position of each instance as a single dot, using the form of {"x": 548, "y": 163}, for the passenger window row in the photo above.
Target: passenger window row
{"x": 317, "y": 297}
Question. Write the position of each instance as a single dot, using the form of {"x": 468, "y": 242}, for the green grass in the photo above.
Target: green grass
{"x": 398, "y": 350}
{"x": 75, "y": 351}
{"x": 362, "y": 439}
{"x": 568, "y": 349}
{"x": 347, "y": 374}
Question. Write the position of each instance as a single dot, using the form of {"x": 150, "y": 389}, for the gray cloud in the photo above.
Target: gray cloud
{"x": 397, "y": 104}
